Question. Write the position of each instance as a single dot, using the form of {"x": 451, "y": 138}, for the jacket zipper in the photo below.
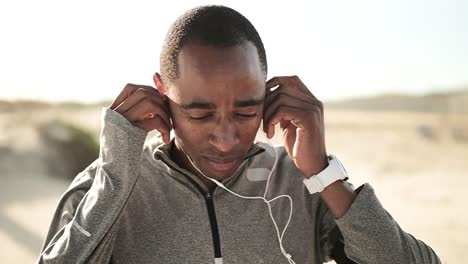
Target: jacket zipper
{"x": 214, "y": 225}
{"x": 212, "y": 216}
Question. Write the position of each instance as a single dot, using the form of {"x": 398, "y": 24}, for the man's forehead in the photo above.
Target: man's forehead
{"x": 237, "y": 94}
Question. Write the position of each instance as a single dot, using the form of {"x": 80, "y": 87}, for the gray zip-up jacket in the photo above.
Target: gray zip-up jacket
{"x": 135, "y": 205}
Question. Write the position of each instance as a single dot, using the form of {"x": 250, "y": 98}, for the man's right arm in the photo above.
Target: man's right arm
{"x": 85, "y": 221}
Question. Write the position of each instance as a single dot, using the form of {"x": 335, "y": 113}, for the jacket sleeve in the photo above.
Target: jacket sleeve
{"x": 85, "y": 222}
{"x": 372, "y": 236}
{"x": 330, "y": 239}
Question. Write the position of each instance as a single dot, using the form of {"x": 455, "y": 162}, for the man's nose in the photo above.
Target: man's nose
{"x": 224, "y": 136}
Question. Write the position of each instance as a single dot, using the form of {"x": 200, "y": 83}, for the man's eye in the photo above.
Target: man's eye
{"x": 200, "y": 117}
{"x": 246, "y": 115}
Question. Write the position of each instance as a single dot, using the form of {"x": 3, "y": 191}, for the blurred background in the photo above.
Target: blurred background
{"x": 393, "y": 76}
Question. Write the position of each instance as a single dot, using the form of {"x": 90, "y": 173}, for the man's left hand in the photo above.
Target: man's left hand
{"x": 300, "y": 115}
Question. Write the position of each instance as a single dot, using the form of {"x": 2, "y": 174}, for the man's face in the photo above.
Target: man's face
{"x": 217, "y": 105}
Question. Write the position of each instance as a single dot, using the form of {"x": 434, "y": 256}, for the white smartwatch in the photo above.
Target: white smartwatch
{"x": 334, "y": 172}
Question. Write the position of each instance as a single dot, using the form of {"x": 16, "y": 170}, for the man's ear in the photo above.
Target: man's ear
{"x": 159, "y": 85}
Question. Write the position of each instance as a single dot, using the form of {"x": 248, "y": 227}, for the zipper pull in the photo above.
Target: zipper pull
{"x": 208, "y": 196}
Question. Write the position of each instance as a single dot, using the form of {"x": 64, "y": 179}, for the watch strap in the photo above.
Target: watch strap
{"x": 332, "y": 173}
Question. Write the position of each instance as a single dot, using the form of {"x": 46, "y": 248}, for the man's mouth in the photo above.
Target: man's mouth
{"x": 222, "y": 165}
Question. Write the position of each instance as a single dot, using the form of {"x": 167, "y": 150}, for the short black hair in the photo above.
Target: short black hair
{"x": 212, "y": 25}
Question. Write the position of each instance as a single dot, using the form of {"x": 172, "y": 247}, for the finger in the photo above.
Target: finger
{"x": 155, "y": 123}
{"x": 299, "y": 117}
{"x": 275, "y": 81}
{"x": 293, "y": 81}
{"x": 129, "y": 89}
{"x": 297, "y": 82}
{"x": 282, "y": 80}
{"x": 283, "y": 99}
{"x": 284, "y": 113}
{"x": 147, "y": 106}
{"x": 285, "y": 90}
{"x": 135, "y": 98}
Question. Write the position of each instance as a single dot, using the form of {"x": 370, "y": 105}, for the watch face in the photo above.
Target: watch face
{"x": 342, "y": 168}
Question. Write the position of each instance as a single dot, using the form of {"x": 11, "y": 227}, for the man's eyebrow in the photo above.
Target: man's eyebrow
{"x": 199, "y": 105}
{"x": 249, "y": 102}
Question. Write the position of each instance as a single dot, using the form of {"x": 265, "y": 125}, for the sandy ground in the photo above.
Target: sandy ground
{"x": 420, "y": 181}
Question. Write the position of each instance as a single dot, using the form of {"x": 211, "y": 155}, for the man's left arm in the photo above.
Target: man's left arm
{"x": 370, "y": 233}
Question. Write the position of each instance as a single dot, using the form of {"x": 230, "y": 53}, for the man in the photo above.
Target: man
{"x": 156, "y": 203}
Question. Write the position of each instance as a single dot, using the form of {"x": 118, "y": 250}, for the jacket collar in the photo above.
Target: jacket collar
{"x": 162, "y": 153}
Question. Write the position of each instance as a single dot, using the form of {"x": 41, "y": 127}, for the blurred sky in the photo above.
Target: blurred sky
{"x": 88, "y": 50}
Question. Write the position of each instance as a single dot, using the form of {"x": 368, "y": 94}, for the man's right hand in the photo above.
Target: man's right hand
{"x": 145, "y": 108}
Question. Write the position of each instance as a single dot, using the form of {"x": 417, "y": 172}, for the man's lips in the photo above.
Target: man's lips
{"x": 222, "y": 165}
